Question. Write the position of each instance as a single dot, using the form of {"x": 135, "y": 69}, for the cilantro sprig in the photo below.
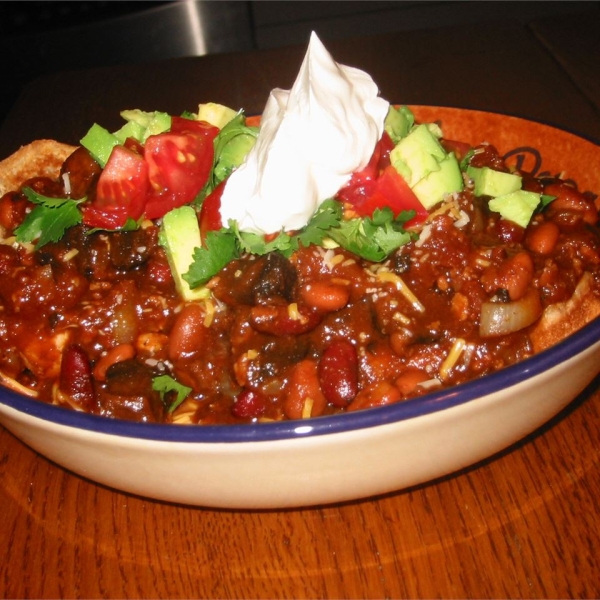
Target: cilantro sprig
{"x": 373, "y": 238}
{"x": 48, "y": 220}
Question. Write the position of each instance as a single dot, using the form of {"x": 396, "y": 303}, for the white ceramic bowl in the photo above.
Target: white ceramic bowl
{"x": 342, "y": 457}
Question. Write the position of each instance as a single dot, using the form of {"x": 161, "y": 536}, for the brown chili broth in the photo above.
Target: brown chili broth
{"x": 106, "y": 289}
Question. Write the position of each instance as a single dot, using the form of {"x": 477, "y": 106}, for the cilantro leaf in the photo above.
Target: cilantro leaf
{"x": 220, "y": 249}
{"x": 254, "y": 243}
{"x": 328, "y": 215}
{"x": 165, "y": 384}
{"x": 545, "y": 200}
{"x": 373, "y": 238}
{"x": 49, "y": 219}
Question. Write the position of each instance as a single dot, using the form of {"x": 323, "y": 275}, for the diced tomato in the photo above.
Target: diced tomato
{"x": 201, "y": 128}
{"x": 121, "y": 192}
{"x": 392, "y": 190}
{"x": 179, "y": 165}
{"x": 210, "y": 215}
{"x": 379, "y": 185}
{"x": 379, "y": 160}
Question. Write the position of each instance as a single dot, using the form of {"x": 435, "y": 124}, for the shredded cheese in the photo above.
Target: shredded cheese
{"x": 210, "y": 312}
{"x": 307, "y": 408}
{"x": 401, "y": 286}
{"x": 457, "y": 349}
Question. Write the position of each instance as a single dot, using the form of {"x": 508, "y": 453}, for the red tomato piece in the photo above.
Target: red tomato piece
{"x": 121, "y": 192}
{"x": 201, "y": 128}
{"x": 210, "y": 215}
{"x": 392, "y": 190}
{"x": 179, "y": 166}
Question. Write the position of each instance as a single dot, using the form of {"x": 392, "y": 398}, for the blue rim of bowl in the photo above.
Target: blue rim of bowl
{"x": 445, "y": 399}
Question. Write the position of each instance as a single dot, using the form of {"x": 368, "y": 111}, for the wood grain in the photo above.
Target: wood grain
{"x": 519, "y": 525}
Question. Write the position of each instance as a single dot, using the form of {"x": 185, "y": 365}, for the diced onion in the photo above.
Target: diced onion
{"x": 502, "y": 318}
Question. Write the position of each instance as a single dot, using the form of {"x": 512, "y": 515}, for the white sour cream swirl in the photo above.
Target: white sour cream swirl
{"x": 312, "y": 138}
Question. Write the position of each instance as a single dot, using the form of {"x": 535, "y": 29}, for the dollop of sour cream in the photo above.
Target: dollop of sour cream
{"x": 312, "y": 138}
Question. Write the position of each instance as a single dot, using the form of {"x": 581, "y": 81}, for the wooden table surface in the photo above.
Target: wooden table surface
{"x": 521, "y": 525}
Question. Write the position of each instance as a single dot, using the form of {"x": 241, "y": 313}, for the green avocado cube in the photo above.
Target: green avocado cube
{"x": 489, "y": 182}
{"x": 431, "y": 189}
{"x": 517, "y": 207}
{"x": 99, "y": 142}
{"x": 180, "y": 236}
{"x": 418, "y": 154}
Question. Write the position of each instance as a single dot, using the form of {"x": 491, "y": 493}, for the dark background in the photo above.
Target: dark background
{"x": 39, "y": 38}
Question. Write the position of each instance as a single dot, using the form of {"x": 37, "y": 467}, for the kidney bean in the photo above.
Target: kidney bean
{"x": 338, "y": 373}
{"x": 542, "y": 238}
{"x": 76, "y": 377}
{"x": 324, "y": 296}
{"x": 114, "y": 355}
{"x": 188, "y": 333}
{"x": 281, "y": 320}
{"x": 249, "y": 404}
{"x": 303, "y": 386}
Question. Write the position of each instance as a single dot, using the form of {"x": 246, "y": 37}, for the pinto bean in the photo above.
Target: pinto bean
{"x": 516, "y": 274}
{"x": 542, "y": 238}
{"x": 12, "y": 210}
{"x": 304, "y": 397}
{"x": 188, "y": 333}
{"x": 114, "y": 355}
{"x": 376, "y": 394}
{"x": 569, "y": 199}
{"x": 152, "y": 345}
{"x": 338, "y": 373}
{"x": 408, "y": 380}
{"x": 324, "y": 296}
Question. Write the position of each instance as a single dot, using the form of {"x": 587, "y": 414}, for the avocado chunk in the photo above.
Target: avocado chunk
{"x": 131, "y": 129}
{"x": 232, "y": 145}
{"x": 517, "y": 206}
{"x": 417, "y": 155}
{"x": 398, "y": 122}
{"x": 99, "y": 142}
{"x": 180, "y": 236}
{"x": 215, "y": 114}
{"x": 152, "y": 123}
{"x": 488, "y": 182}
{"x": 448, "y": 179}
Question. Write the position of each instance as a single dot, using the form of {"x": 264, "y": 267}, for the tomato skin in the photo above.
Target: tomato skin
{"x": 210, "y": 214}
{"x": 179, "y": 166}
{"x": 121, "y": 192}
{"x": 379, "y": 185}
{"x": 181, "y": 125}
{"x": 391, "y": 190}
